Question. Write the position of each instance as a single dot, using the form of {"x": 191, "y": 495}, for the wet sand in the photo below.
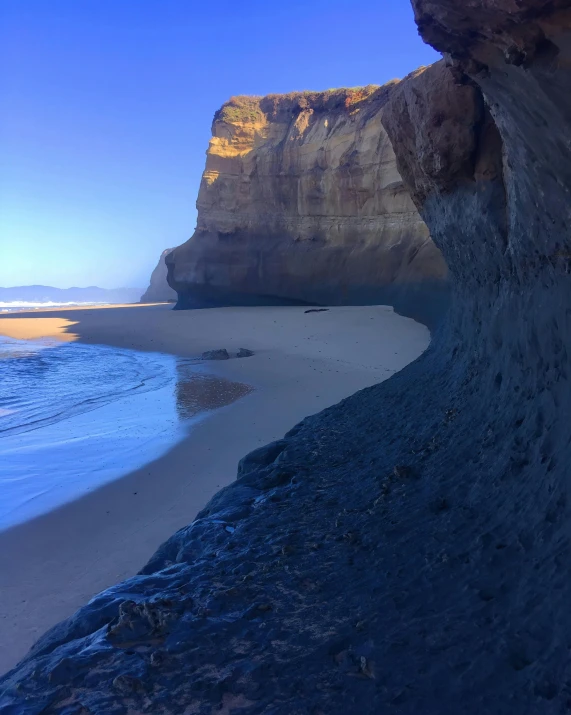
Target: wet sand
{"x": 303, "y": 363}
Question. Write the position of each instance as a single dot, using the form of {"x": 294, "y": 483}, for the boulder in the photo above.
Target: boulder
{"x": 244, "y": 352}
{"x": 221, "y": 354}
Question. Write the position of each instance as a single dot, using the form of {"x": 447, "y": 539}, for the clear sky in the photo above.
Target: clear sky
{"x": 106, "y": 108}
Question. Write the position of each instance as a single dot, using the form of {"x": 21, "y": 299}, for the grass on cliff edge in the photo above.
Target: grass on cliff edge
{"x": 244, "y": 108}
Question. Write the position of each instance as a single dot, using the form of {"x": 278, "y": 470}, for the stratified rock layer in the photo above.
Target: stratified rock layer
{"x": 301, "y": 201}
{"x": 159, "y": 291}
{"x": 406, "y": 551}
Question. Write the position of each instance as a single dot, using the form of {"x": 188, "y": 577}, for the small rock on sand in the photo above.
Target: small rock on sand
{"x": 221, "y": 354}
{"x": 244, "y": 352}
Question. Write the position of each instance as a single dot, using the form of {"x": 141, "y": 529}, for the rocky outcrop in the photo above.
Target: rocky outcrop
{"x": 406, "y": 551}
{"x": 301, "y": 201}
{"x": 159, "y": 291}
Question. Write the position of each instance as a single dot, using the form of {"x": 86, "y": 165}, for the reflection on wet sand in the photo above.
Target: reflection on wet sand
{"x": 74, "y": 417}
{"x": 199, "y": 392}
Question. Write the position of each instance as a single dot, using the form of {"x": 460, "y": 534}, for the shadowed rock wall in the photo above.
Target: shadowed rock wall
{"x": 407, "y": 550}
{"x": 159, "y": 291}
{"x": 301, "y": 201}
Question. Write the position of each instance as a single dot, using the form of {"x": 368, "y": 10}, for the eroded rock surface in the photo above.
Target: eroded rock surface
{"x": 244, "y": 352}
{"x": 219, "y": 354}
{"x": 301, "y": 200}
{"x": 407, "y": 550}
{"x": 159, "y": 291}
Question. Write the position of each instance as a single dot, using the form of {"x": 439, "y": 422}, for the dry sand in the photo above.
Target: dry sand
{"x": 303, "y": 363}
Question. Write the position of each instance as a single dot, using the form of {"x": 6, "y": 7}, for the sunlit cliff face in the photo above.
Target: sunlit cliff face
{"x": 301, "y": 200}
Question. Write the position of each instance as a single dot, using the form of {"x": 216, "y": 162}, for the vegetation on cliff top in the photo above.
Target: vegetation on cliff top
{"x": 241, "y": 108}
{"x": 244, "y": 108}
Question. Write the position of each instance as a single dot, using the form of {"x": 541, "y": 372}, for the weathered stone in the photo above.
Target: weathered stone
{"x": 159, "y": 291}
{"x": 221, "y": 354}
{"x": 244, "y": 352}
{"x": 301, "y": 201}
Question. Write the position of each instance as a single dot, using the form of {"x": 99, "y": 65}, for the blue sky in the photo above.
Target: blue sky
{"x": 106, "y": 108}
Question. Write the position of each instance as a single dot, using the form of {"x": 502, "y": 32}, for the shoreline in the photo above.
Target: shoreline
{"x": 302, "y": 363}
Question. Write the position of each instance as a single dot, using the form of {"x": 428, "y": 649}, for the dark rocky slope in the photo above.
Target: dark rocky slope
{"x": 407, "y": 550}
{"x": 159, "y": 291}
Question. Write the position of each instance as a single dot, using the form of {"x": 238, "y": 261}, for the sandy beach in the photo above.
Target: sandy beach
{"x": 303, "y": 362}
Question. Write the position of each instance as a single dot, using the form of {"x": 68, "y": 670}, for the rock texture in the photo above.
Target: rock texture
{"x": 408, "y": 550}
{"x": 159, "y": 291}
{"x": 219, "y": 354}
{"x": 301, "y": 200}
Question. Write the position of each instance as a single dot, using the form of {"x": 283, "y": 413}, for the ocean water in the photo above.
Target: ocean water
{"x": 74, "y": 416}
{"x": 20, "y": 306}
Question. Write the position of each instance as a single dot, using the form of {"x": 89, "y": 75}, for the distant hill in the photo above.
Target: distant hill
{"x": 49, "y": 294}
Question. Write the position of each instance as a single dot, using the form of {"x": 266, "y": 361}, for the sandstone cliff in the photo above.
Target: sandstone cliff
{"x": 159, "y": 291}
{"x": 301, "y": 200}
{"x": 406, "y": 551}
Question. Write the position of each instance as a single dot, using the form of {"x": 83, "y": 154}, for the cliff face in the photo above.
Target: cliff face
{"x": 406, "y": 551}
{"x": 484, "y": 146}
{"x": 159, "y": 291}
{"x": 301, "y": 200}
